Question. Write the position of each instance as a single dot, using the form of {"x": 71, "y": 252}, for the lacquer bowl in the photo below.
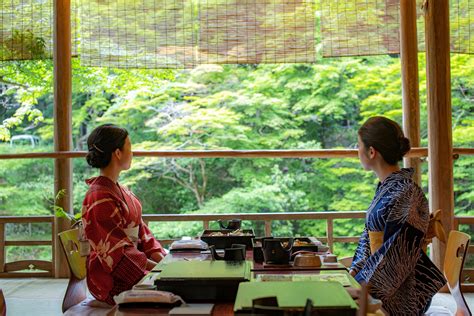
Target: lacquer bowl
{"x": 307, "y": 260}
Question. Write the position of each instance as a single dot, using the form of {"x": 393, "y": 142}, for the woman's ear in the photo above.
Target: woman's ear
{"x": 118, "y": 153}
{"x": 372, "y": 152}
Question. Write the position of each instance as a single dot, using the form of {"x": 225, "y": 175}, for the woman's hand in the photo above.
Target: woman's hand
{"x": 157, "y": 256}
{"x": 150, "y": 264}
{"x": 352, "y": 273}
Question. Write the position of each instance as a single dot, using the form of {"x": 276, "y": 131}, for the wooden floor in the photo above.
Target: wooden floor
{"x": 43, "y": 296}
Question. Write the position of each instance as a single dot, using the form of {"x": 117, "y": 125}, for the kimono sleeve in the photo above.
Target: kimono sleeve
{"x": 148, "y": 244}
{"x": 362, "y": 252}
{"x": 116, "y": 253}
{"x": 386, "y": 270}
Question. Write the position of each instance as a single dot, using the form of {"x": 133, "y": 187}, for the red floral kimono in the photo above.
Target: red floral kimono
{"x": 120, "y": 241}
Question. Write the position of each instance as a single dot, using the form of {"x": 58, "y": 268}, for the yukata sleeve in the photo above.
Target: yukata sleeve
{"x": 148, "y": 243}
{"x": 111, "y": 247}
{"x": 362, "y": 252}
{"x": 406, "y": 224}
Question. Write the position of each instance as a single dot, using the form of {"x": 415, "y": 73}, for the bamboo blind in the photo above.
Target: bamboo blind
{"x": 183, "y": 33}
{"x": 359, "y": 27}
{"x": 138, "y": 33}
{"x": 462, "y": 24}
{"x": 26, "y": 29}
{"x": 186, "y": 33}
{"x": 256, "y": 31}
{"x": 371, "y": 27}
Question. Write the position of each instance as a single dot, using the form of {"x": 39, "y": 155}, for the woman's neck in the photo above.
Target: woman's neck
{"x": 111, "y": 172}
{"x": 384, "y": 171}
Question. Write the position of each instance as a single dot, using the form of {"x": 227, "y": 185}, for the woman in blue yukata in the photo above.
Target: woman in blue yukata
{"x": 389, "y": 257}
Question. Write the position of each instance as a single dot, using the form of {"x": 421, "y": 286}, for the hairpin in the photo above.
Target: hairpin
{"x": 98, "y": 149}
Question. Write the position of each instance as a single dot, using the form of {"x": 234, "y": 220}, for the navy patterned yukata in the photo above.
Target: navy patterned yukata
{"x": 399, "y": 273}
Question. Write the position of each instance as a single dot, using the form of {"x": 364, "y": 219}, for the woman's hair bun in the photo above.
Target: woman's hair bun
{"x": 404, "y": 146}
{"x": 97, "y": 159}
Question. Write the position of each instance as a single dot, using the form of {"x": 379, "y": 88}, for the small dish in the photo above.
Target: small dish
{"x": 144, "y": 287}
{"x": 307, "y": 260}
{"x": 330, "y": 259}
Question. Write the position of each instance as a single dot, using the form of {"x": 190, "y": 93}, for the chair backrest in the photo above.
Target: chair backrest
{"x": 70, "y": 242}
{"x": 456, "y": 250}
{"x": 76, "y": 288}
{"x": 3, "y": 305}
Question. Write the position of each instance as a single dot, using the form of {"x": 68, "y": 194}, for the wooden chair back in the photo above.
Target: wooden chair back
{"x": 456, "y": 250}
{"x": 3, "y": 305}
{"x": 76, "y": 288}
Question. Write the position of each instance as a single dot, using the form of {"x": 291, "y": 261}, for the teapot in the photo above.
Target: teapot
{"x": 277, "y": 250}
{"x": 235, "y": 253}
{"x": 233, "y": 224}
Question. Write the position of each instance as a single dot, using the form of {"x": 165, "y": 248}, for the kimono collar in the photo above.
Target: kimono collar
{"x": 103, "y": 181}
{"x": 402, "y": 174}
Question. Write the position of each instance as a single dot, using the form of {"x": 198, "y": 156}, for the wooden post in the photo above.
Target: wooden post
{"x": 440, "y": 150}
{"x": 62, "y": 122}
{"x": 330, "y": 234}
{"x": 268, "y": 228}
{"x": 2, "y": 247}
{"x": 410, "y": 82}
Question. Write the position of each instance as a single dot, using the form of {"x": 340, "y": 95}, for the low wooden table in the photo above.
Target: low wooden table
{"x": 227, "y": 308}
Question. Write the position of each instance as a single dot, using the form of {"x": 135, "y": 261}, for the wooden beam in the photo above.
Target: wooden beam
{"x": 320, "y": 153}
{"x": 28, "y": 243}
{"x": 252, "y": 216}
{"x": 410, "y": 82}
{"x": 26, "y": 219}
{"x": 440, "y": 147}
{"x": 25, "y": 274}
{"x": 25, "y": 265}
{"x": 62, "y": 121}
{"x": 2, "y": 247}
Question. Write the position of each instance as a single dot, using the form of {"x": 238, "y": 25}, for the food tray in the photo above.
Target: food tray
{"x": 258, "y": 252}
{"x": 226, "y": 241}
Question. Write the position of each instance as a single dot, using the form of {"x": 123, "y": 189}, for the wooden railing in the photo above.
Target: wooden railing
{"x": 267, "y": 218}
{"x": 27, "y": 268}
{"x": 283, "y": 153}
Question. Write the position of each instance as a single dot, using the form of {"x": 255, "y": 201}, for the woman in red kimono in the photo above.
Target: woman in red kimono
{"x": 123, "y": 249}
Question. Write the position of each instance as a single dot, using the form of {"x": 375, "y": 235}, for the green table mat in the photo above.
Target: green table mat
{"x": 294, "y": 294}
{"x": 206, "y": 270}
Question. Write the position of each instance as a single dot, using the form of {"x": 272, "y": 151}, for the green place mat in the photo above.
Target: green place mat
{"x": 206, "y": 270}
{"x": 294, "y": 294}
{"x": 171, "y": 259}
{"x": 336, "y": 277}
{"x": 354, "y": 284}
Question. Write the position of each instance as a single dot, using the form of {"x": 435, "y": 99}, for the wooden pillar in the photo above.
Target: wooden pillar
{"x": 410, "y": 82}
{"x": 62, "y": 123}
{"x": 440, "y": 147}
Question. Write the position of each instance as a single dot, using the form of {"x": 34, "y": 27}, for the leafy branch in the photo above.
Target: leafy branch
{"x": 61, "y": 213}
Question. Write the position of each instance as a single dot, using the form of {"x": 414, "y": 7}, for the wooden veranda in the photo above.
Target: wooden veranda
{"x": 440, "y": 151}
